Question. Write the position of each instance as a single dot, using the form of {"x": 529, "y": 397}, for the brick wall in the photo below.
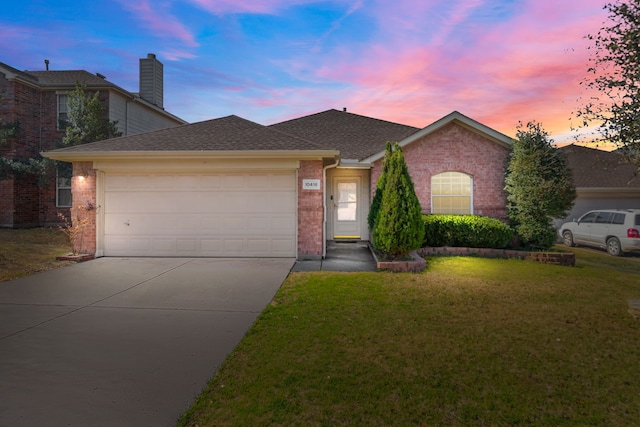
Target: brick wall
{"x": 27, "y": 200}
{"x": 457, "y": 149}
{"x": 6, "y": 202}
{"x": 83, "y": 188}
{"x": 310, "y": 211}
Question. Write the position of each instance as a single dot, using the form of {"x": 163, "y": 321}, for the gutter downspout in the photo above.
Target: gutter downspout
{"x": 324, "y": 205}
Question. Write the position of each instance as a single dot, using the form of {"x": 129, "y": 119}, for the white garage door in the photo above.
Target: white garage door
{"x": 202, "y": 214}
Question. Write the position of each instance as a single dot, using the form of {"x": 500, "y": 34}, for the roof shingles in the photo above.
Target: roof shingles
{"x": 231, "y": 133}
{"x": 68, "y": 78}
{"x": 357, "y": 137}
{"x": 594, "y": 168}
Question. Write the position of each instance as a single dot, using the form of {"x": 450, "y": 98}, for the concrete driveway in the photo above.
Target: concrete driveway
{"x": 124, "y": 341}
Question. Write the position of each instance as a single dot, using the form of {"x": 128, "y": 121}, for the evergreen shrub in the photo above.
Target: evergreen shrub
{"x": 472, "y": 231}
{"x": 398, "y": 227}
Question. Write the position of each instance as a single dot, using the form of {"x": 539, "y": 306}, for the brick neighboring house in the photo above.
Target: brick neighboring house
{"x": 36, "y": 102}
{"x": 232, "y": 187}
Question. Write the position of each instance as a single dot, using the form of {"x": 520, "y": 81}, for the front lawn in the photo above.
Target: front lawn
{"x": 27, "y": 251}
{"x": 470, "y": 341}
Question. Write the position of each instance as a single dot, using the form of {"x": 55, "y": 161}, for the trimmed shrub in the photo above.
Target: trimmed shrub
{"x": 473, "y": 231}
{"x": 398, "y": 227}
{"x": 377, "y": 198}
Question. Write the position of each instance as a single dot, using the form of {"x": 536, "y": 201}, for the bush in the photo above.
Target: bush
{"x": 539, "y": 187}
{"x": 473, "y": 231}
{"x": 398, "y": 226}
{"x": 377, "y": 198}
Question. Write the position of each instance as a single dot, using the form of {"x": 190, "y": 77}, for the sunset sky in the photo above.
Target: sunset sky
{"x": 407, "y": 61}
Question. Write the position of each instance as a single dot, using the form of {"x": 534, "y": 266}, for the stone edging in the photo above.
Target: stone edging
{"x": 555, "y": 258}
{"x": 76, "y": 258}
{"x": 415, "y": 265}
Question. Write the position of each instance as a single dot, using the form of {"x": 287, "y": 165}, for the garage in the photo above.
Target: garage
{"x": 207, "y": 214}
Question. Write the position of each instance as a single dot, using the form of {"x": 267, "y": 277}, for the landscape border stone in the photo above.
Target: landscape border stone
{"x": 415, "y": 265}
{"x": 555, "y": 258}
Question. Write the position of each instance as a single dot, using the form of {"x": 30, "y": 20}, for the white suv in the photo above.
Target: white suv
{"x": 616, "y": 230}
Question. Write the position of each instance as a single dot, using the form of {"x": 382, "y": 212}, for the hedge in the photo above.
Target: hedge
{"x": 473, "y": 231}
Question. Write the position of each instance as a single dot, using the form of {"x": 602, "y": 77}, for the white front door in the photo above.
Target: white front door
{"x": 346, "y": 214}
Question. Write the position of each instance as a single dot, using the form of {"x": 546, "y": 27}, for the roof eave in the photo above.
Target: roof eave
{"x": 79, "y": 156}
{"x": 597, "y": 190}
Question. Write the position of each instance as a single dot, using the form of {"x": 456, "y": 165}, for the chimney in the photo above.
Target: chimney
{"x": 151, "y": 80}
{"x": 46, "y": 64}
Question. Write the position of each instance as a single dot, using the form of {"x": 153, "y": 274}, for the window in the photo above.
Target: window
{"x": 347, "y": 201}
{"x": 63, "y": 185}
{"x": 603, "y": 218}
{"x": 62, "y": 111}
{"x": 590, "y": 217}
{"x": 451, "y": 193}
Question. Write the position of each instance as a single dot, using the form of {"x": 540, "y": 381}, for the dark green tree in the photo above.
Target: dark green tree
{"x": 539, "y": 186}
{"x": 398, "y": 227}
{"x": 377, "y": 198}
{"x": 614, "y": 74}
{"x": 87, "y": 120}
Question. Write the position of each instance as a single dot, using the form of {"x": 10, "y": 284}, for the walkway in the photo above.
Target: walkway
{"x": 341, "y": 256}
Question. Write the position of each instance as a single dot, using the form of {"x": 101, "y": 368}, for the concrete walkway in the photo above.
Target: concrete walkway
{"x": 341, "y": 256}
{"x": 124, "y": 342}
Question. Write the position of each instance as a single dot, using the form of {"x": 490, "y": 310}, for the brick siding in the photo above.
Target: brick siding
{"x": 457, "y": 149}
{"x": 83, "y": 189}
{"x": 310, "y": 211}
{"x": 27, "y": 200}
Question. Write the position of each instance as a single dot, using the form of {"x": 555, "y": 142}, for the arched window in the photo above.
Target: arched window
{"x": 452, "y": 193}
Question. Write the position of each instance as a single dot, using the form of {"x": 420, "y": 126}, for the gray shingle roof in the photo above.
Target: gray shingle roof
{"x": 357, "y": 137}
{"x": 231, "y": 133}
{"x": 594, "y": 168}
{"x": 68, "y": 78}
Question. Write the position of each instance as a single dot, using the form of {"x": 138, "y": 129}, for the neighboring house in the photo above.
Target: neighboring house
{"x": 603, "y": 180}
{"x": 232, "y": 187}
{"x": 36, "y": 101}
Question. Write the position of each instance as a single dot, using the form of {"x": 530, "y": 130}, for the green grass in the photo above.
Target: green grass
{"x": 470, "y": 341}
{"x": 27, "y": 251}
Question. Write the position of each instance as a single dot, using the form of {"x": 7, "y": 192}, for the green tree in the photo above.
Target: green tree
{"x": 87, "y": 120}
{"x": 539, "y": 186}
{"x": 614, "y": 74}
{"x": 398, "y": 227}
{"x": 377, "y": 198}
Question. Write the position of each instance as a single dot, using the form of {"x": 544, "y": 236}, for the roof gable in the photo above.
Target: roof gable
{"x": 454, "y": 117}
{"x": 355, "y": 136}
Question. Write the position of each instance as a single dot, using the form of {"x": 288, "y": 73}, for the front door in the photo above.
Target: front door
{"x": 346, "y": 208}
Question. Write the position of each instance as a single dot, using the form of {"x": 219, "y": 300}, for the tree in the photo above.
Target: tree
{"x": 614, "y": 73}
{"x": 87, "y": 120}
{"x": 539, "y": 186}
{"x": 398, "y": 227}
{"x": 377, "y": 198}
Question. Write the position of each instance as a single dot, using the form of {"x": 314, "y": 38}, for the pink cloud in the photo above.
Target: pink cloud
{"x": 219, "y": 7}
{"x": 176, "y": 54}
{"x": 158, "y": 19}
{"x": 527, "y": 67}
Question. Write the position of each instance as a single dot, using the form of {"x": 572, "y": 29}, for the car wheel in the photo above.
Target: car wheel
{"x": 567, "y": 238}
{"x": 613, "y": 246}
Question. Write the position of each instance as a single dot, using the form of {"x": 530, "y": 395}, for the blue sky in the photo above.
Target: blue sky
{"x": 407, "y": 61}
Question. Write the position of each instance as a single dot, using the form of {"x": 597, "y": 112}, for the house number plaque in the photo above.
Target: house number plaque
{"x": 311, "y": 184}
